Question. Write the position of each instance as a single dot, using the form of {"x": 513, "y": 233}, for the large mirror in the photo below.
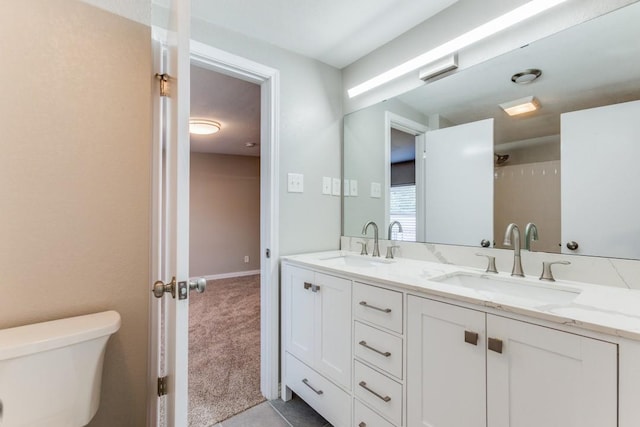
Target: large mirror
{"x": 451, "y": 166}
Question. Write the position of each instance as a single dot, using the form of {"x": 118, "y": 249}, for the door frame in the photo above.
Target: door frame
{"x": 396, "y": 121}
{"x": 269, "y": 80}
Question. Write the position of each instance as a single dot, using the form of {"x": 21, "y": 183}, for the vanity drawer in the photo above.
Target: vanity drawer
{"x": 365, "y": 417}
{"x": 379, "y": 306}
{"x": 321, "y": 394}
{"x": 379, "y": 348}
{"x": 379, "y": 391}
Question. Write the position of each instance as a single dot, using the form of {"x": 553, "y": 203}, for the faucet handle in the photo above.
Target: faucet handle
{"x": 546, "y": 270}
{"x": 390, "y": 251}
{"x": 491, "y": 263}
{"x": 363, "y": 250}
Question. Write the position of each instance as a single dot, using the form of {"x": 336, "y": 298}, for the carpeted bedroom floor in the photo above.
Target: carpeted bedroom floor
{"x": 224, "y": 350}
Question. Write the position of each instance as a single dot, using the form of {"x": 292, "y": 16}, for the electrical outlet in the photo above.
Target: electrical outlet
{"x": 246, "y": 259}
{"x": 295, "y": 183}
{"x": 326, "y": 185}
{"x": 376, "y": 190}
{"x": 345, "y": 188}
{"x": 353, "y": 187}
{"x": 336, "y": 186}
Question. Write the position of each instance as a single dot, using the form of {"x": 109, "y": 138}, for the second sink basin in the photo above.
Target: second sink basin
{"x": 525, "y": 292}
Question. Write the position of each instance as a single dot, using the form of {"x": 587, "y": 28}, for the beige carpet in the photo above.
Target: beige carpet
{"x": 224, "y": 350}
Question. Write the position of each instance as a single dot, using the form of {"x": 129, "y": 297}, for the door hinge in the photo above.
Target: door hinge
{"x": 164, "y": 83}
{"x": 162, "y": 386}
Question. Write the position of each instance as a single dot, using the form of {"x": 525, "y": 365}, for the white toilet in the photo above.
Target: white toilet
{"x": 50, "y": 373}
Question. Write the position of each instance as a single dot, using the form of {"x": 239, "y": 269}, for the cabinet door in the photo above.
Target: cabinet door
{"x": 299, "y": 306}
{"x": 545, "y": 377}
{"x": 446, "y": 381}
{"x": 333, "y": 328}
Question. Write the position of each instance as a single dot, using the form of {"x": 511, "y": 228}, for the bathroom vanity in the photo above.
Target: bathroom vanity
{"x": 374, "y": 342}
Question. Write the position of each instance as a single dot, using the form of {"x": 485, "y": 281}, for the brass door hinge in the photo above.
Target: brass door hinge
{"x": 162, "y": 386}
{"x": 164, "y": 83}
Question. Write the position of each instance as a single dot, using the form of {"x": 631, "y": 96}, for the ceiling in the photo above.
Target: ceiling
{"x": 337, "y": 32}
{"x": 233, "y": 103}
{"x": 593, "y": 64}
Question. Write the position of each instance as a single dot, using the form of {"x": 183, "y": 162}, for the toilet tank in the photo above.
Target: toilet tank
{"x": 51, "y": 372}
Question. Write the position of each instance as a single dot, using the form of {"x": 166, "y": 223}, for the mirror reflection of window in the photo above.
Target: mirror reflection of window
{"x": 402, "y": 195}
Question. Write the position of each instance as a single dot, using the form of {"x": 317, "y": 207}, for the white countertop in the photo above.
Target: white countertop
{"x": 603, "y": 309}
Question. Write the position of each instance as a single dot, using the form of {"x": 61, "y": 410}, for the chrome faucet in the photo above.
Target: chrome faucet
{"x": 391, "y": 228}
{"x": 513, "y": 230}
{"x": 376, "y": 248}
{"x": 530, "y": 234}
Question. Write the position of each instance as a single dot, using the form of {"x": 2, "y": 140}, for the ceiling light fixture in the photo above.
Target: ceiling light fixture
{"x": 203, "y": 127}
{"x": 526, "y": 76}
{"x": 490, "y": 28}
{"x": 520, "y": 106}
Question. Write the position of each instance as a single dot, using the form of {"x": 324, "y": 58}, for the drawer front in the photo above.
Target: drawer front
{"x": 322, "y": 395}
{"x": 379, "y": 306}
{"x": 365, "y": 417}
{"x": 379, "y": 392}
{"x": 379, "y": 348}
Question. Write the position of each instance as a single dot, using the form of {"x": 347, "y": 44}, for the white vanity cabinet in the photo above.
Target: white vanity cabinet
{"x": 468, "y": 368}
{"x": 317, "y": 363}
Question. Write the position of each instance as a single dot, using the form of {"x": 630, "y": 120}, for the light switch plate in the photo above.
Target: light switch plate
{"x": 353, "y": 187}
{"x": 336, "y": 186}
{"x": 345, "y": 188}
{"x": 295, "y": 183}
{"x": 326, "y": 185}
{"x": 376, "y": 190}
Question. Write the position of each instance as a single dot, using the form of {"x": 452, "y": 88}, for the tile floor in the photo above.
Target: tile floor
{"x": 276, "y": 413}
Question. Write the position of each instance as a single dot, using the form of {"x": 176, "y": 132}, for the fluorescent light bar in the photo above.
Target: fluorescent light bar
{"x": 520, "y": 106}
{"x": 479, "y": 33}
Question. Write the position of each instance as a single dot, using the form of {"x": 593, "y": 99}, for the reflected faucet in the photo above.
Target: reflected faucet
{"x": 376, "y": 248}
{"x": 391, "y": 228}
{"x": 513, "y": 230}
{"x": 530, "y": 234}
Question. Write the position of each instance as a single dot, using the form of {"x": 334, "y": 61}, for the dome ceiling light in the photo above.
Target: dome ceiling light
{"x": 203, "y": 127}
{"x": 526, "y": 76}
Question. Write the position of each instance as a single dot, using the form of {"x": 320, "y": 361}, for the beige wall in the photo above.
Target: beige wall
{"x": 224, "y": 215}
{"x": 75, "y": 120}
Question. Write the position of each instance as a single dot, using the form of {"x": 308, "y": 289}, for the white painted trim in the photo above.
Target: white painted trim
{"x": 269, "y": 80}
{"x": 228, "y": 275}
{"x": 395, "y": 121}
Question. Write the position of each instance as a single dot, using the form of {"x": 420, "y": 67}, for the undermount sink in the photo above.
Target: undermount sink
{"x": 349, "y": 260}
{"x": 523, "y": 291}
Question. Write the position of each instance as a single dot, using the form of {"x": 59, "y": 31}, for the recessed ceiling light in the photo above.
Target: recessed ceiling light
{"x": 203, "y": 127}
{"x": 526, "y": 76}
{"x": 520, "y": 106}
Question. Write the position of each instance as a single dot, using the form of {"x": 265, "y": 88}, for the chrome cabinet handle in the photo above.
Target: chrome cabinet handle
{"x": 384, "y": 310}
{"x": 379, "y": 396}
{"x": 307, "y": 285}
{"x": 365, "y": 345}
{"x": 314, "y": 288}
{"x": 306, "y": 382}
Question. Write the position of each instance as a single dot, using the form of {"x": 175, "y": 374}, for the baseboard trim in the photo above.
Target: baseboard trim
{"x": 228, "y": 275}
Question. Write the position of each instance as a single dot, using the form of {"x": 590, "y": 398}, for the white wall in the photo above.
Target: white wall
{"x": 459, "y": 18}
{"x": 310, "y": 136}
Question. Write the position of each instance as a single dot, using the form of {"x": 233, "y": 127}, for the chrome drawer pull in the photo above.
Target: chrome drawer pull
{"x": 306, "y": 382}
{"x": 365, "y": 345}
{"x": 495, "y": 344}
{"x": 384, "y": 310}
{"x": 364, "y": 386}
{"x": 307, "y": 285}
